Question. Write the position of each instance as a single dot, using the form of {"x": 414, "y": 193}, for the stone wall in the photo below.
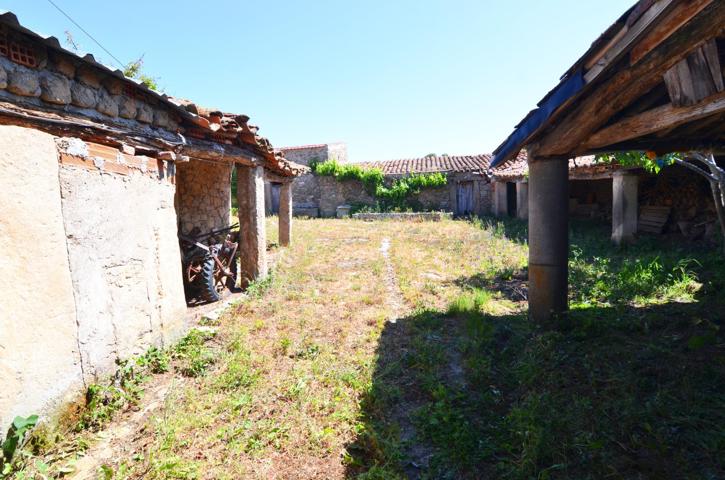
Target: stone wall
{"x": 63, "y": 82}
{"x": 333, "y": 193}
{"x": 306, "y": 193}
{"x": 91, "y": 269}
{"x": 203, "y": 195}
{"x": 337, "y": 151}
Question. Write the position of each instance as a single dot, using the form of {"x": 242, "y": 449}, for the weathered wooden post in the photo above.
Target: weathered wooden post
{"x": 624, "y": 207}
{"x": 548, "y": 238}
{"x": 253, "y": 233}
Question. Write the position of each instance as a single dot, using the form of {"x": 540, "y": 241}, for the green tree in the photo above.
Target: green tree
{"x": 702, "y": 163}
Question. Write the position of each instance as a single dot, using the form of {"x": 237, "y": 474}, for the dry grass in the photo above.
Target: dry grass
{"x": 283, "y": 400}
{"x": 309, "y": 379}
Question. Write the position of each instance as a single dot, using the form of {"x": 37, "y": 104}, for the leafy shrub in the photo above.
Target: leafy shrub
{"x": 16, "y": 435}
{"x": 393, "y": 196}
{"x": 197, "y": 358}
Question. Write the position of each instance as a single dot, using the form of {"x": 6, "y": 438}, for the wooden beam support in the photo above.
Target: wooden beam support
{"x": 630, "y": 35}
{"x": 681, "y": 13}
{"x": 627, "y": 85}
{"x": 696, "y": 77}
{"x": 651, "y": 121}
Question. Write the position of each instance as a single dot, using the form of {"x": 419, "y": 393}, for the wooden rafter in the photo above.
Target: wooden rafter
{"x": 654, "y": 120}
{"x": 627, "y": 85}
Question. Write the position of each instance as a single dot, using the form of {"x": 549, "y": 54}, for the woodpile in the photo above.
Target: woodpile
{"x": 686, "y": 194}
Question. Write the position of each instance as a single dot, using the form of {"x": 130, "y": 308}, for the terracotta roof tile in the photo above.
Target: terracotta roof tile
{"x": 431, "y": 164}
{"x": 519, "y": 167}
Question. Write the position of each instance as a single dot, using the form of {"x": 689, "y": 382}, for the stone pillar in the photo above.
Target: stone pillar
{"x": 624, "y": 207}
{"x": 500, "y": 199}
{"x": 253, "y": 241}
{"x": 285, "y": 214}
{"x": 522, "y": 200}
{"x": 548, "y": 238}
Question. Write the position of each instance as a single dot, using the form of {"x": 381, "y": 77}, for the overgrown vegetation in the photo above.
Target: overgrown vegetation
{"x": 394, "y": 196}
{"x": 134, "y": 70}
{"x": 51, "y": 449}
{"x": 461, "y": 385}
{"x": 634, "y": 387}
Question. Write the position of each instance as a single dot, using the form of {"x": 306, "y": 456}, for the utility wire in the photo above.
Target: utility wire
{"x": 119, "y": 62}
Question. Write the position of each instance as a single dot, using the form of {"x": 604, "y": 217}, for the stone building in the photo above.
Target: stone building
{"x": 651, "y": 81}
{"x": 306, "y": 189}
{"x": 681, "y": 199}
{"x": 468, "y": 190}
{"x": 97, "y": 176}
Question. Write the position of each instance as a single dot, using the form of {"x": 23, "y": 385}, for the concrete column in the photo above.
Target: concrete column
{"x": 500, "y": 197}
{"x": 624, "y": 207}
{"x": 253, "y": 241}
{"x": 522, "y": 200}
{"x": 548, "y": 238}
{"x": 285, "y": 214}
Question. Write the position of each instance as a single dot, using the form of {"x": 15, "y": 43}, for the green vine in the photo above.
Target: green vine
{"x": 393, "y": 196}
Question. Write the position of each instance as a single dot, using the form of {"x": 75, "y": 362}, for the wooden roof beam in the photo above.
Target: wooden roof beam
{"x": 629, "y": 84}
{"x": 651, "y": 121}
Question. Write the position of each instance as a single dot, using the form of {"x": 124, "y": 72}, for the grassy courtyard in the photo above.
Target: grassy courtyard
{"x": 402, "y": 350}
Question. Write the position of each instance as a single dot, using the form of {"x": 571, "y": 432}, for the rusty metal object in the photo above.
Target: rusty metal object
{"x": 209, "y": 265}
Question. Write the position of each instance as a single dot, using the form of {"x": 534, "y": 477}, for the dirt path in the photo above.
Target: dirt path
{"x": 393, "y": 297}
{"x": 120, "y": 439}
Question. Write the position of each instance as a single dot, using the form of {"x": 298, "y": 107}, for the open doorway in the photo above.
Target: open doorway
{"x": 511, "y": 199}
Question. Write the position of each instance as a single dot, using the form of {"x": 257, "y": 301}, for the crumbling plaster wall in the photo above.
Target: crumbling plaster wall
{"x": 90, "y": 270}
{"x": 124, "y": 262}
{"x": 39, "y": 357}
{"x": 204, "y": 193}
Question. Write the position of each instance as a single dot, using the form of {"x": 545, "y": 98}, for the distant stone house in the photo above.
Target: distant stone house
{"x": 98, "y": 175}
{"x": 468, "y": 190}
{"x": 306, "y": 189}
{"x": 679, "y": 198}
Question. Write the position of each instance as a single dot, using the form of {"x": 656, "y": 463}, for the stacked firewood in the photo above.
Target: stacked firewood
{"x": 689, "y": 196}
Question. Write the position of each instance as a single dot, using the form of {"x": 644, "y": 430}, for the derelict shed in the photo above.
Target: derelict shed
{"x": 90, "y": 164}
{"x": 652, "y": 81}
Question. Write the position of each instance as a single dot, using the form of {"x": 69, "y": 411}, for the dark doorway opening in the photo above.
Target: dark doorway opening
{"x": 511, "y": 199}
{"x": 274, "y": 190}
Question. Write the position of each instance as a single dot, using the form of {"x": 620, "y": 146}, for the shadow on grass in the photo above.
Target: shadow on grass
{"x": 623, "y": 393}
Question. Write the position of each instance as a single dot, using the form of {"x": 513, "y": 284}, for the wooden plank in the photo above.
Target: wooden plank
{"x": 651, "y": 121}
{"x": 598, "y": 56}
{"x": 681, "y": 13}
{"x": 655, "y": 214}
{"x": 632, "y": 33}
{"x": 709, "y": 49}
{"x": 702, "y": 83}
{"x": 680, "y": 84}
{"x": 595, "y": 109}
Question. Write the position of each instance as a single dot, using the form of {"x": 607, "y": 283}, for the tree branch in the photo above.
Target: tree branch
{"x": 695, "y": 168}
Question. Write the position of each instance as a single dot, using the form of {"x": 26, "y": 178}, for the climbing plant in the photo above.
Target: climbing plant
{"x": 392, "y": 196}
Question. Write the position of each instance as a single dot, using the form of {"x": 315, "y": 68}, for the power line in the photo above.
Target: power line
{"x": 119, "y": 62}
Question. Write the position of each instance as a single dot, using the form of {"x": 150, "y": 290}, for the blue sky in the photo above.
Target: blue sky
{"x": 393, "y": 79}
